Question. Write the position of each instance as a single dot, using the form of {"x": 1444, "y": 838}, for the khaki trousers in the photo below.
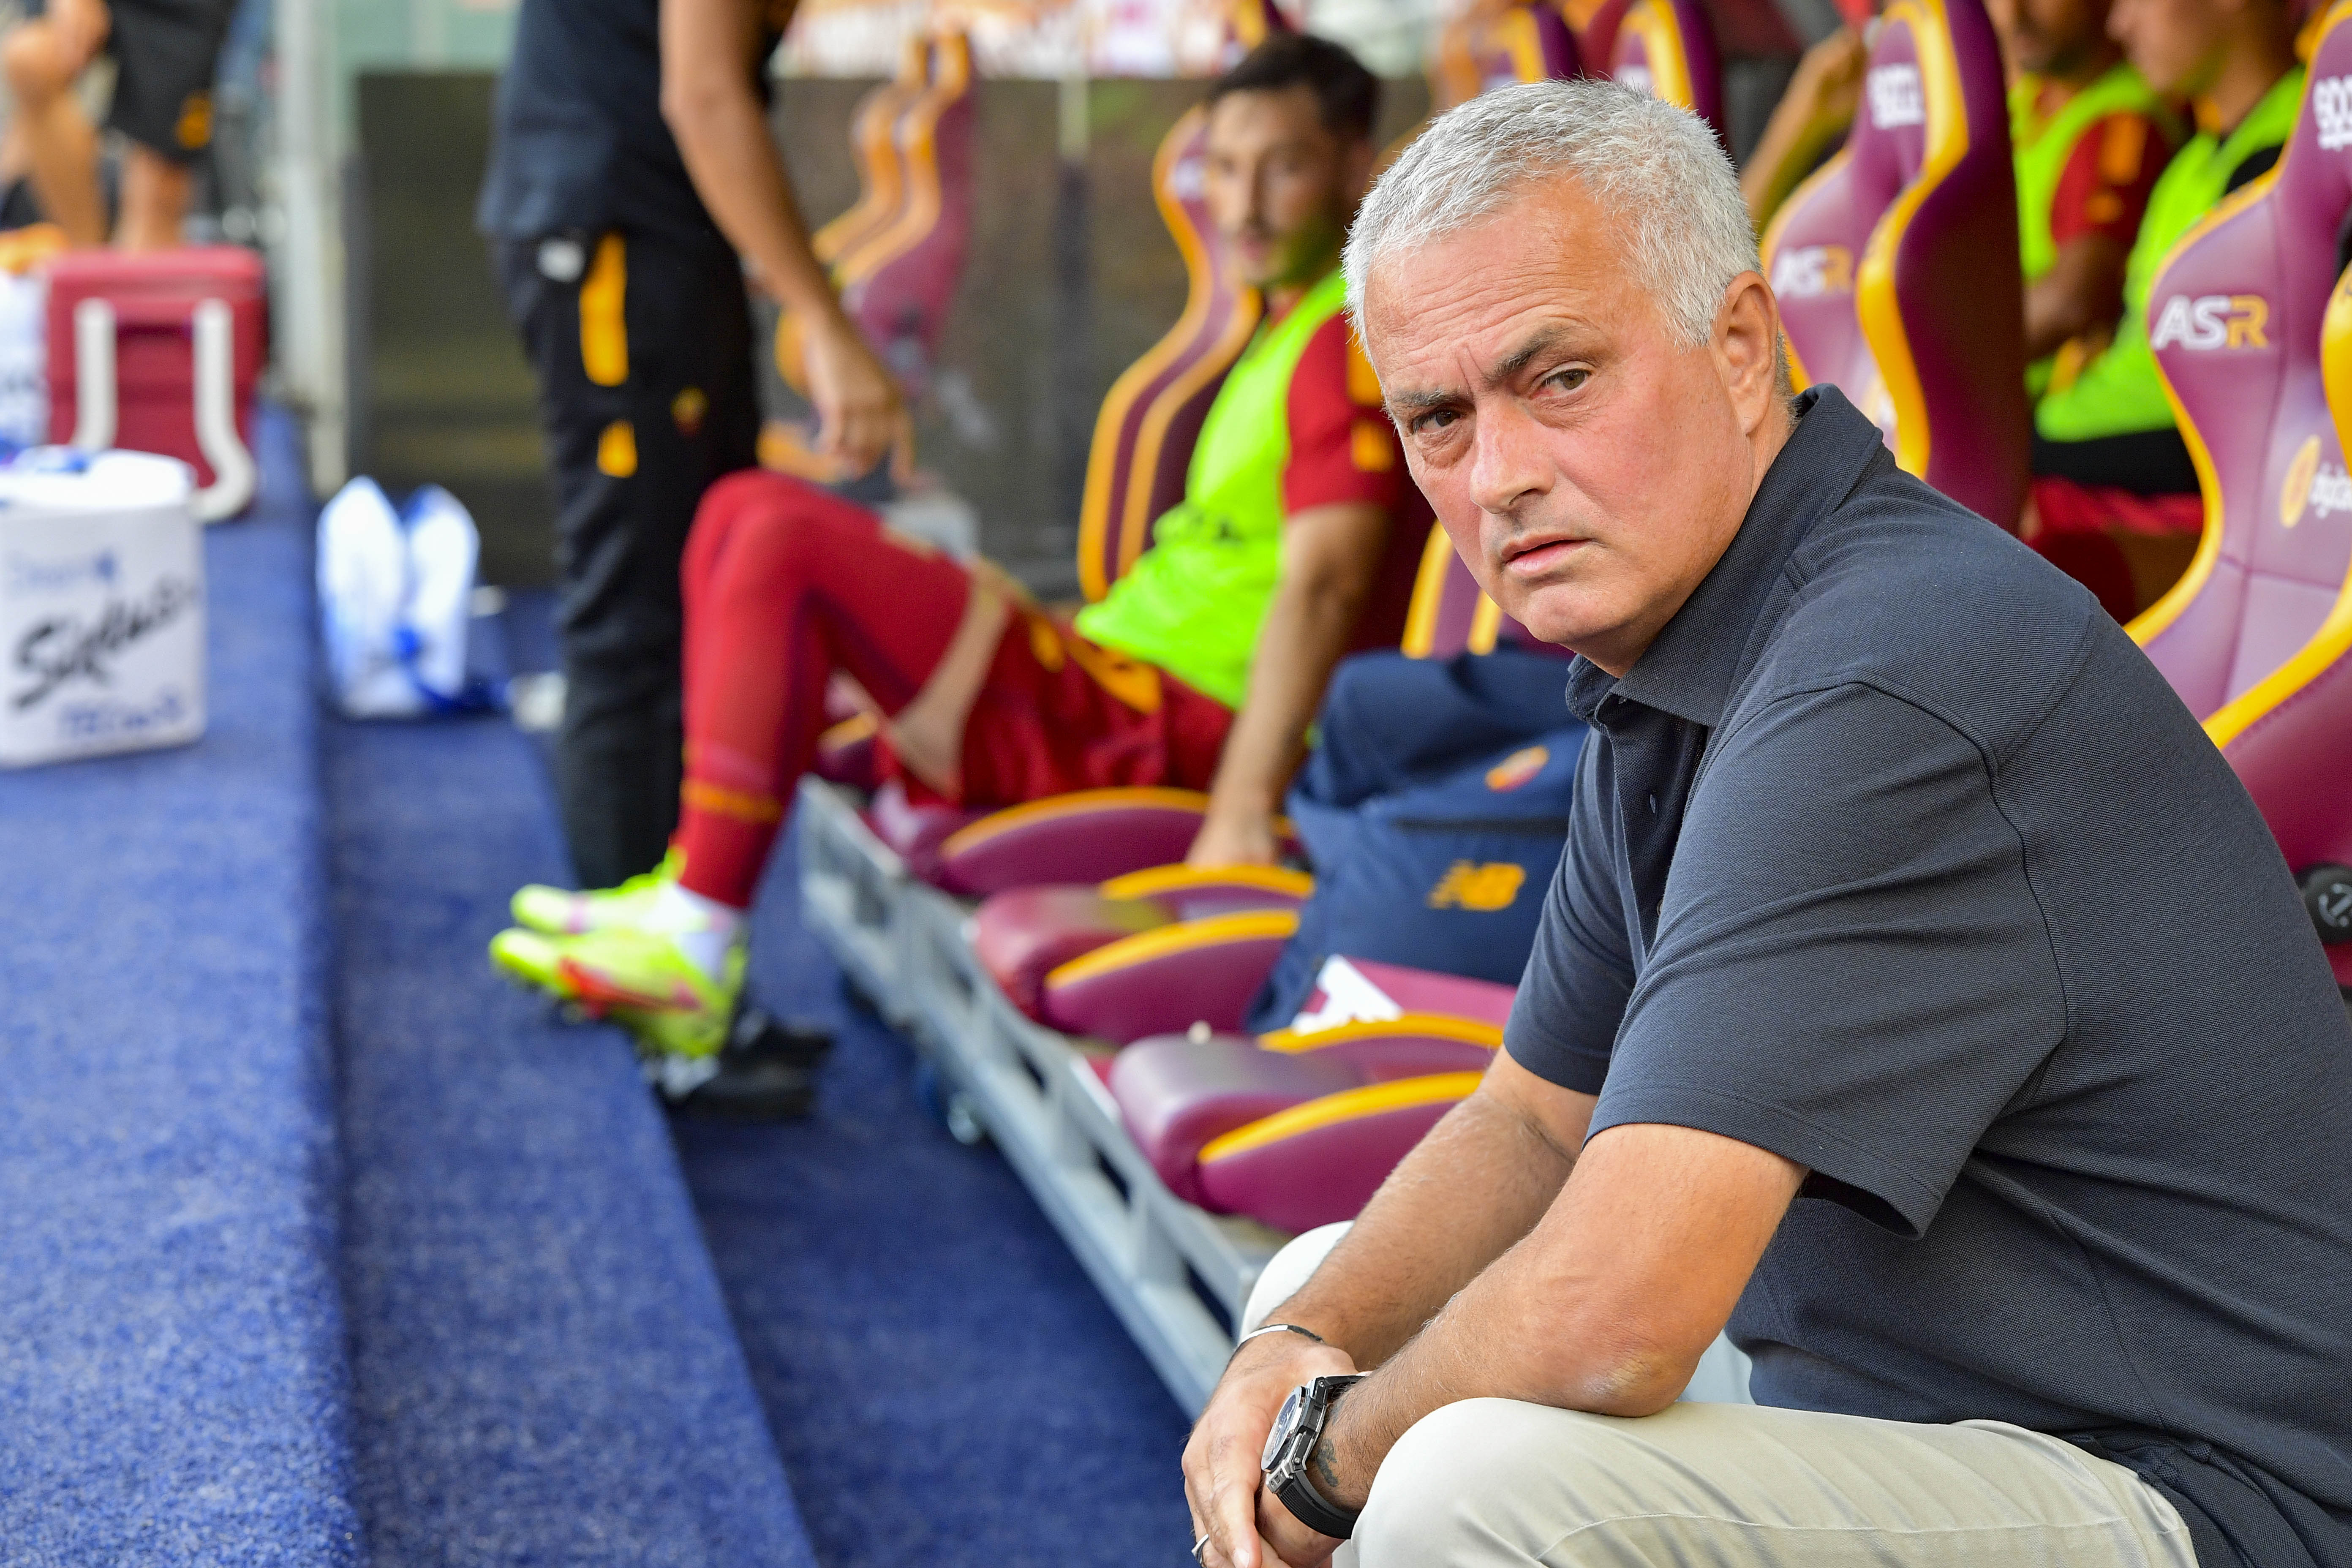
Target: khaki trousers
{"x": 1495, "y": 1483}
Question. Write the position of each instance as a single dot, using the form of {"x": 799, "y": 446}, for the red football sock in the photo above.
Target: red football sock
{"x": 783, "y": 584}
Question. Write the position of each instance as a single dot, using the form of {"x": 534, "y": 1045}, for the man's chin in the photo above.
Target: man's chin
{"x": 1560, "y": 616}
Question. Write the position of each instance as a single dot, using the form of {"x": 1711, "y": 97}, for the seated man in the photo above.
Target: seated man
{"x": 2089, "y": 140}
{"x": 2110, "y": 425}
{"x": 164, "y": 52}
{"x": 1297, "y": 542}
{"x": 1932, "y": 1007}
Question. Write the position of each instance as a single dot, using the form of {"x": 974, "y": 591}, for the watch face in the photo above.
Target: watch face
{"x": 1283, "y": 1426}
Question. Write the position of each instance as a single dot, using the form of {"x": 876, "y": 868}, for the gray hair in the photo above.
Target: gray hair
{"x": 1656, "y": 167}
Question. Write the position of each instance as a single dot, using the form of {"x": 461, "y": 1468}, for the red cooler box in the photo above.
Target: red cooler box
{"x": 160, "y": 352}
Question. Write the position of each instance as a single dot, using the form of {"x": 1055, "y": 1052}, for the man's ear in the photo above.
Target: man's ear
{"x": 1747, "y": 348}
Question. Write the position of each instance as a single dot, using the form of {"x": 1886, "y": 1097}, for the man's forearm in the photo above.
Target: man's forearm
{"x": 1305, "y": 631}
{"x": 722, "y": 135}
{"x": 1472, "y": 1188}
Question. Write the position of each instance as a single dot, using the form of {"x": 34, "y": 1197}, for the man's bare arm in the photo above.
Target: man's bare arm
{"x": 1329, "y": 557}
{"x": 2082, "y": 292}
{"x": 710, "y": 51}
{"x": 1475, "y": 1184}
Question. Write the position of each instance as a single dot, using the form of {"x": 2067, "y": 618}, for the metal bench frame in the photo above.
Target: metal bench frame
{"x": 1176, "y": 1275}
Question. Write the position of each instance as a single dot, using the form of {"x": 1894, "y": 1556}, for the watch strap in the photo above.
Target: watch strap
{"x": 1297, "y": 1491}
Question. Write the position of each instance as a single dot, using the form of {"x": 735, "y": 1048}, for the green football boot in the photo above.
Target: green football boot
{"x": 643, "y": 981}
{"x": 528, "y": 958}
{"x": 560, "y": 911}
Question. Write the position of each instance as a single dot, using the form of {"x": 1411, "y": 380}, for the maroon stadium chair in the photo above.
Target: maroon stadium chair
{"x": 1663, "y": 48}
{"x": 1880, "y": 259}
{"x": 1297, "y": 1128}
{"x": 897, "y": 283}
{"x": 2252, "y": 322}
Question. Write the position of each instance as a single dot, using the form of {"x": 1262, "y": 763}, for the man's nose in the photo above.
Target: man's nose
{"x": 1508, "y": 462}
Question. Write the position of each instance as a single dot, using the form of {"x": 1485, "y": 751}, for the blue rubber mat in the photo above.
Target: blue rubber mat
{"x": 172, "y": 1384}
{"x": 945, "y": 1384}
{"x": 543, "y": 1370}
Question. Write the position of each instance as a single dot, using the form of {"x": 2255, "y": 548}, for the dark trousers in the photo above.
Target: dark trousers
{"x": 647, "y": 396}
{"x": 1389, "y": 721}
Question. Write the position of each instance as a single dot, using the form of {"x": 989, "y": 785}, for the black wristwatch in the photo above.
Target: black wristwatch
{"x": 1290, "y": 1449}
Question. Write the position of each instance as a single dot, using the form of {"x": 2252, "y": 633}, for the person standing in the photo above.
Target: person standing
{"x": 632, "y": 186}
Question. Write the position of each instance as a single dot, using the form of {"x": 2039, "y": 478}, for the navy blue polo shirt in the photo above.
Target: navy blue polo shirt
{"x": 1894, "y": 856}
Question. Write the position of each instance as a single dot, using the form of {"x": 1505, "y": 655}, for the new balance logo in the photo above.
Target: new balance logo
{"x": 2213, "y": 321}
{"x": 1812, "y": 271}
{"x": 2331, "y": 109}
{"x": 1470, "y": 886}
{"x": 1894, "y": 97}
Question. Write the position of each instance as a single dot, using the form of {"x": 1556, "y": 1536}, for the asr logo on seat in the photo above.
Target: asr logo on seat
{"x": 1517, "y": 768}
{"x": 1895, "y": 100}
{"x": 2213, "y": 321}
{"x": 1813, "y": 272}
{"x": 1483, "y": 886}
{"x": 2322, "y": 488}
{"x": 2331, "y": 111}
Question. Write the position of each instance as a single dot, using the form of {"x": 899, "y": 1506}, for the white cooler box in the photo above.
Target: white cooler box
{"x": 101, "y": 606}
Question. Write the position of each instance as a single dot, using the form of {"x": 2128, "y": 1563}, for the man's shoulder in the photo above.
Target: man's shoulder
{"x": 1902, "y": 590}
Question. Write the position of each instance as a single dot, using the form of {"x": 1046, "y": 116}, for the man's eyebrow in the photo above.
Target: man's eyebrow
{"x": 1545, "y": 341}
{"x": 1420, "y": 402}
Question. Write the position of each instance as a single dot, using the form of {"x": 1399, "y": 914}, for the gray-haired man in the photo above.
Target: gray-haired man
{"x": 1920, "y": 994}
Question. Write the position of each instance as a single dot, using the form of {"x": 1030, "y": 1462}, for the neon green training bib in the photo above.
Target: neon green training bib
{"x": 2119, "y": 392}
{"x": 1192, "y": 604}
{"x": 2043, "y": 152}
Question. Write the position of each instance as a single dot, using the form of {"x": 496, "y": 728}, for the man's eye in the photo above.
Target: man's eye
{"x": 1568, "y": 379}
{"x": 1434, "y": 421}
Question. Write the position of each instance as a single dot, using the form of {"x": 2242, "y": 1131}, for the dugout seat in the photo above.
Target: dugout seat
{"x": 2252, "y": 322}
{"x": 1297, "y": 1128}
{"x": 1878, "y": 259}
{"x": 1169, "y": 947}
{"x": 1494, "y": 45}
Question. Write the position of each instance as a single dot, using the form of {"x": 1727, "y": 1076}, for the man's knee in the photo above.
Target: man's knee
{"x": 772, "y": 535}
{"x": 1473, "y": 1484}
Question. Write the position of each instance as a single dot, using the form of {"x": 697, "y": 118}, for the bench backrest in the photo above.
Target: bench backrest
{"x": 1880, "y": 259}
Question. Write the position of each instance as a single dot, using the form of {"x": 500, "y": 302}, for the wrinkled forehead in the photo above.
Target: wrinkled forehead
{"x": 1546, "y": 262}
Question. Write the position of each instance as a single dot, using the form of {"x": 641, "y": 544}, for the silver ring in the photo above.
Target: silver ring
{"x": 1196, "y": 1549}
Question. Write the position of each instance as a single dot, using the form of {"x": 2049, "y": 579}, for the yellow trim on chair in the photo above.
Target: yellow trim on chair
{"x": 1661, "y": 49}
{"x": 1441, "y": 1026}
{"x": 1154, "y": 880}
{"x": 1347, "y": 1105}
{"x": 1874, "y": 276}
{"x": 1095, "y": 521}
{"x": 2332, "y": 640}
{"x": 1217, "y": 930}
{"x": 2150, "y": 622}
{"x": 1070, "y": 804}
{"x": 950, "y": 78}
{"x": 875, "y": 139}
{"x": 1428, "y": 592}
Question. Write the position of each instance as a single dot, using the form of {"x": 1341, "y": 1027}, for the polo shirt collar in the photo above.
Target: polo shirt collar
{"x": 1689, "y": 669}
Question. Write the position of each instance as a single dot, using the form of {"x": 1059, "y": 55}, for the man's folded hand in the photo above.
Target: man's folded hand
{"x": 1223, "y": 1460}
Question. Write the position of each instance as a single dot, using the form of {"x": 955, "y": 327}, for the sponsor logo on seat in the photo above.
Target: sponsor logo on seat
{"x": 1895, "y": 100}
{"x": 2213, "y": 321}
{"x": 1472, "y": 884}
{"x": 1812, "y": 271}
{"x": 2331, "y": 109}
{"x": 2322, "y": 489}
{"x": 1517, "y": 768}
